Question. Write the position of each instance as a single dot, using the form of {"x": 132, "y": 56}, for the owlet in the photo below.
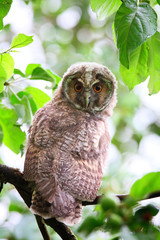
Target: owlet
{"x": 68, "y": 143}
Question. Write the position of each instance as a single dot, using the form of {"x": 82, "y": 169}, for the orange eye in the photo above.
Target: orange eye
{"x": 97, "y": 88}
{"x": 78, "y": 87}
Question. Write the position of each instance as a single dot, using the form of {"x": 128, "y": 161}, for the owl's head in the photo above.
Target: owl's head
{"x": 89, "y": 87}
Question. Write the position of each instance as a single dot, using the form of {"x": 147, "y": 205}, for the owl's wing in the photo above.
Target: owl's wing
{"x": 84, "y": 165}
{"x": 39, "y": 159}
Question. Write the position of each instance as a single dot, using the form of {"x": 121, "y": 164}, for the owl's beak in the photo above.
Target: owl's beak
{"x": 87, "y": 98}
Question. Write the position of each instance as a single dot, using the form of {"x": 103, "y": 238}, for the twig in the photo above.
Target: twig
{"x": 85, "y": 203}
{"x": 1, "y": 186}
{"x": 153, "y": 195}
{"x": 8, "y": 50}
{"x": 63, "y": 231}
{"x": 42, "y": 227}
{"x": 120, "y": 196}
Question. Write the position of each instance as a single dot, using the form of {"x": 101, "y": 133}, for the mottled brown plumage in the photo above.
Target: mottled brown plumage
{"x": 68, "y": 142}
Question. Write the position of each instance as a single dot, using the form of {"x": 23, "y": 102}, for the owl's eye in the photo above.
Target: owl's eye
{"x": 97, "y": 88}
{"x": 78, "y": 87}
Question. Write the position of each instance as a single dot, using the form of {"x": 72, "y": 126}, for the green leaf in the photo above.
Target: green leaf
{"x": 150, "y": 233}
{"x": 1, "y": 135}
{"x": 21, "y": 40}
{"x": 105, "y": 8}
{"x": 1, "y": 162}
{"x": 13, "y": 136}
{"x": 56, "y": 79}
{"x": 4, "y": 9}
{"x": 7, "y": 62}
{"x": 24, "y": 105}
{"x": 138, "y": 70}
{"x": 158, "y": 1}
{"x": 3, "y": 78}
{"x": 19, "y": 72}
{"x": 30, "y": 68}
{"x": 153, "y": 2}
{"x": 17, "y": 206}
{"x": 145, "y": 213}
{"x": 114, "y": 222}
{"x": 38, "y": 73}
{"x": 114, "y": 34}
{"x": 154, "y": 63}
{"x": 41, "y": 74}
{"x": 146, "y": 185}
{"x": 40, "y": 98}
{"x": 89, "y": 224}
{"x": 107, "y": 203}
{"x": 27, "y": 102}
{"x": 133, "y": 25}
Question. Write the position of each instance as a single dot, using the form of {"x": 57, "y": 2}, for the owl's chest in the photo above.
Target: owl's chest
{"x": 82, "y": 139}
{"x": 79, "y": 149}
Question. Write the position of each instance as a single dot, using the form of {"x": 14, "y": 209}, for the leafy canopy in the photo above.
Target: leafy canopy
{"x": 137, "y": 40}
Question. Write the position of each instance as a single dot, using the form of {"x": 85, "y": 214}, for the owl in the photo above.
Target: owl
{"x": 68, "y": 143}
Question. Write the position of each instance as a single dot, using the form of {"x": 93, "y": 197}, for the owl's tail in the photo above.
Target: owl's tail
{"x": 74, "y": 217}
{"x": 64, "y": 207}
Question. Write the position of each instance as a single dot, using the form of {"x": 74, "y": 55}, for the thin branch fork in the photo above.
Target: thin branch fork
{"x": 25, "y": 189}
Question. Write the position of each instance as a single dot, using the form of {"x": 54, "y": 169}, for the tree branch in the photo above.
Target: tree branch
{"x": 63, "y": 231}
{"x": 42, "y": 227}
{"x": 85, "y": 203}
{"x": 25, "y": 189}
{"x": 1, "y": 186}
{"x": 15, "y": 177}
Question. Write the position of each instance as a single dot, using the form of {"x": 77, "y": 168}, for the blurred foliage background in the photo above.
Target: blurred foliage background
{"x": 66, "y": 32}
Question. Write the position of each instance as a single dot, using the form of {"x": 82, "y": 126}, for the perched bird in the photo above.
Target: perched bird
{"x": 68, "y": 143}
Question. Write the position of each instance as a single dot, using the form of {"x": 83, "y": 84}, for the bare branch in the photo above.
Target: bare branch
{"x": 85, "y": 203}
{"x": 1, "y": 186}
{"x": 25, "y": 189}
{"x": 63, "y": 231}
{"x": 15, "y": 177}
{"x": 42, "y": 227}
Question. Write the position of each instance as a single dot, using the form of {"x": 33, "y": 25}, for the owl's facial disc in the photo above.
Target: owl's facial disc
{"x": 91, "y": 94}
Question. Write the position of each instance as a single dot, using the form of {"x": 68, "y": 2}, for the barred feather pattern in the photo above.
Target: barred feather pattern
{"x": 66, "y": 153}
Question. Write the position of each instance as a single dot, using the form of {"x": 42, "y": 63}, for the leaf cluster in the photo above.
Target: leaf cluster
{"x": 22, "y": 103}
{"x": 137, "y": 39}
{"x": 126, "y": 217}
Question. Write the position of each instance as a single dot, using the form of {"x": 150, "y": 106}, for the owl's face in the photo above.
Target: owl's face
{"x": 88, "y": 86}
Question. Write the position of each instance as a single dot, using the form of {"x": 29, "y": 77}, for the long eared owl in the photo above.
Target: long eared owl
{"x": 68, "y": 143}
